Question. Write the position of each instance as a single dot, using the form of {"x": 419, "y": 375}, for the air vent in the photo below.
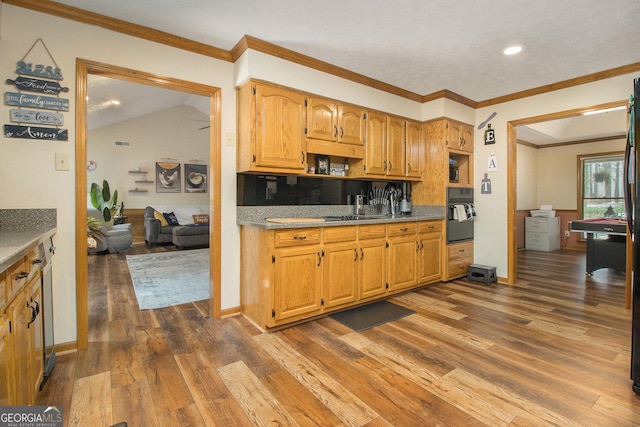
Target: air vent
{"x": 123, "y": 143}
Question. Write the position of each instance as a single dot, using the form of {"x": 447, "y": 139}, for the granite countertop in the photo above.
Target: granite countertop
{"x": 256, "y": 216}
{"x": 20, "y": 229}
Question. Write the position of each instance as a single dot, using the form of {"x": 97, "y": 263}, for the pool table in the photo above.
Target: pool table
{"x": 609, "y": 252}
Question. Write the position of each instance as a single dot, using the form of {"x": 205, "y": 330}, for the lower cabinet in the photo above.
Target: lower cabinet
{"x": 21, "y": 334}
{"x": 458, "y": 258}
{"x": 294, "y": 274}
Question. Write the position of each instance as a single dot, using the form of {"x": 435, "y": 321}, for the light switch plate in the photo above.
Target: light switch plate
{"x": 62, "y": 162}
{"x": 230, "y": 139}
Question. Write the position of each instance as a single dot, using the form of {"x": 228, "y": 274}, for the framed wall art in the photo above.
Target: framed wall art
{"x": 195, "y": 178}
{"x": 168, "y": 177}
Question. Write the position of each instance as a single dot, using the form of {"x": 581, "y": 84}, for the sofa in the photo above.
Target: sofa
{"x": 184, "y": 226}
{"x": 116, "y": 239}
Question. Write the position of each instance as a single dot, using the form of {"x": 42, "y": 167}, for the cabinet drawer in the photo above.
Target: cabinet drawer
{"x": 32, "y": 261}
{"x": 402, "y": 228}
{"x": 372, "y": 231}
{"x": 430, "y": 227}
{"x": 460, "y": 251}
{"x": 297, "y": 236}
{"x": 458, "y": 268}
{"x": 17, "y": 276}
{"x": 339, "y": 234}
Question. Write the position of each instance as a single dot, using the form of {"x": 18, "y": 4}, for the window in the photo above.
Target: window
{"x": 601, "y": 186}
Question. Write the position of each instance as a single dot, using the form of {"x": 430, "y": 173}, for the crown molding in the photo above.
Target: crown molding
{"x": 123, "y": 27}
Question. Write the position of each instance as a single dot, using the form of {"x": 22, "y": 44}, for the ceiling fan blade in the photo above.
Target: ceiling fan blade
{"x": 204, "y": 127}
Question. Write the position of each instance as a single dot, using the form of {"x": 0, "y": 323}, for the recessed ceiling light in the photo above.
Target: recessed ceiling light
{"x": 512, "y": 50}
{"x": 115, "y": 102}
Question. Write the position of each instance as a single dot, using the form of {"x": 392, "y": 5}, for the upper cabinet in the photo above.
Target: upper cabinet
{"x": 396, "y": 146}
{"x": 329, "y": 120}
{"x": 459, "y": 136}
{"x": 415, "y": 150}
{"x": 271, "y": 123}
{"x": 385, "y": 150}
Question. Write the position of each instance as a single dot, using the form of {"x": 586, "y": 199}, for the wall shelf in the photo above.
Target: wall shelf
{"x": 138, "y": 172}
{"x": 137, "y": 191}
{"x": 144, "y": 182}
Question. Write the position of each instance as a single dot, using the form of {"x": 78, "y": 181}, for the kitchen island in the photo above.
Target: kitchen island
{"x": 308, "y": 266}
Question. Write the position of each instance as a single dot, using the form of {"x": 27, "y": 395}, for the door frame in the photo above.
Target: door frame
{"x": 512, "y": 177}
{"x": 83, "y": 69}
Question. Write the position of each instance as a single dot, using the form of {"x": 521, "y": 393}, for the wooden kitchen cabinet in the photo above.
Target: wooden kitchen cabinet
{"x": 6, "y": 364}
{"x": 403, "y": 250}
{"x": 339, "y": 266}
{"x": 458, "y": 257}
{"x": 414, "y": 149}
{"x": 459, "y": 136}
{"x": 429, "y": 253}
{"x": 329, "y": 120}
{"x": 372, "y": 246}
{"x": 396, "y": 146}
{"x": 375, "y": 162}
{"x": 271, "y": 124}
{"x": 36, "y": 338}
{"x": 295, "y": 274}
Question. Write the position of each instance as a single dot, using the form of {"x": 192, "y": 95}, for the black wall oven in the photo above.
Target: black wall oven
{"x": 460, "y": 214}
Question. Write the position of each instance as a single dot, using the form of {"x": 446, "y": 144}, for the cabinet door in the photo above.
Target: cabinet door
{"x": 6, "y": 368}
{"x": 322, "y": 119}
{"x": 414, "y": 149}
{"x": 403, "y": 262}
{"x": 429, "y": 258}
{"x": 339, "y": 274}
{"x": 376, "y": 147}
{"x": 36, "y": 337}
{"x": 453, "y": 135}
{"x": 19, "y": 316}
{"x": 351, "y": 125}
{"x": 396, "y": 146}
{"x": 297, "y": 288}
{"x": 466, "y": 138}
{"x": 280, "y": 123}
{"x": 372, "y": 266}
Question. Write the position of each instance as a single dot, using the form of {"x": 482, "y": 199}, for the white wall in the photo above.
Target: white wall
{"x": 527, "y": 177}
{"x": 169, "y": 133}
{"x": 68, "y": 40}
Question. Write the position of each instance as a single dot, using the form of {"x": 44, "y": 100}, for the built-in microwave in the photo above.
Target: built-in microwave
{"x": 454, "y": 173}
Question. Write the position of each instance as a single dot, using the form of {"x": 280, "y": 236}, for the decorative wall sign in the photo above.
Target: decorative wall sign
{"x": 36, "y": 101}
{"x": 195, "y": 178}
{"x": 37, "y": 117}
{"x": 168, "y": 177}
{"x": 485, "y": 186}
{"x": 492, "y": 163}
{"x": 32, "y": 132}
{"x": 37, "y": 85}
{"x": 39, "y": 70}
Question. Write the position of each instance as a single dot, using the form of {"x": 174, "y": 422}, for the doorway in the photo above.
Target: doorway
{"x": 512, "y": 138}
{"x": 85, "y": 68}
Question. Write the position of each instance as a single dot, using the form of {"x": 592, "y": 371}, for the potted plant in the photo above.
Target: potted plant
{"x": 601, "y": 176}
{"x": 94, "y": 232}
{"x": 101, "y": 199}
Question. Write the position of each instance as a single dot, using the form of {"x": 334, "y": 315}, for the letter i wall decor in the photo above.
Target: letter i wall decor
{"x": 41, "y": 105}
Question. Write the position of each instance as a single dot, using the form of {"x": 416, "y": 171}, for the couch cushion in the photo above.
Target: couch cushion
{"x": 201, "y": 218}
{"x": 163, "y": 221}
{"x": 171, "y": 218}
{"x": 183, "y": 212}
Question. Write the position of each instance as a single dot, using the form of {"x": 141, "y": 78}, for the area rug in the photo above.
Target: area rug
{"x": 170, "y": 278}
{"x": 371, "y": 315}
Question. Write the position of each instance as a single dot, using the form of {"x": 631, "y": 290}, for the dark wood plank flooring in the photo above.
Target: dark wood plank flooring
{"x": 552, "y": 350}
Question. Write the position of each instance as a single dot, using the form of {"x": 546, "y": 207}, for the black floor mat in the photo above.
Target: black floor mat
{"x": 371, "y": 315}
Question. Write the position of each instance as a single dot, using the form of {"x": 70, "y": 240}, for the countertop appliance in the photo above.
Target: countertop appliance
{"x": 460, "y": 214}
{"x": 632, "y": 206}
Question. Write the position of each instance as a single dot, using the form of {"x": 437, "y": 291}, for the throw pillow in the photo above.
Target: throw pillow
{"x": 171, "y": 218}
{"x": 163, "y": 222}
{"x": 201, "y": 218}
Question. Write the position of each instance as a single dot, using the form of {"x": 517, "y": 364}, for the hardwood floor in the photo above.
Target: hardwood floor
{"x": 552, "y": 350}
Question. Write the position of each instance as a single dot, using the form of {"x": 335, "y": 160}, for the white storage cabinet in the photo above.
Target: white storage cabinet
{"x": 542, "y": 234}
